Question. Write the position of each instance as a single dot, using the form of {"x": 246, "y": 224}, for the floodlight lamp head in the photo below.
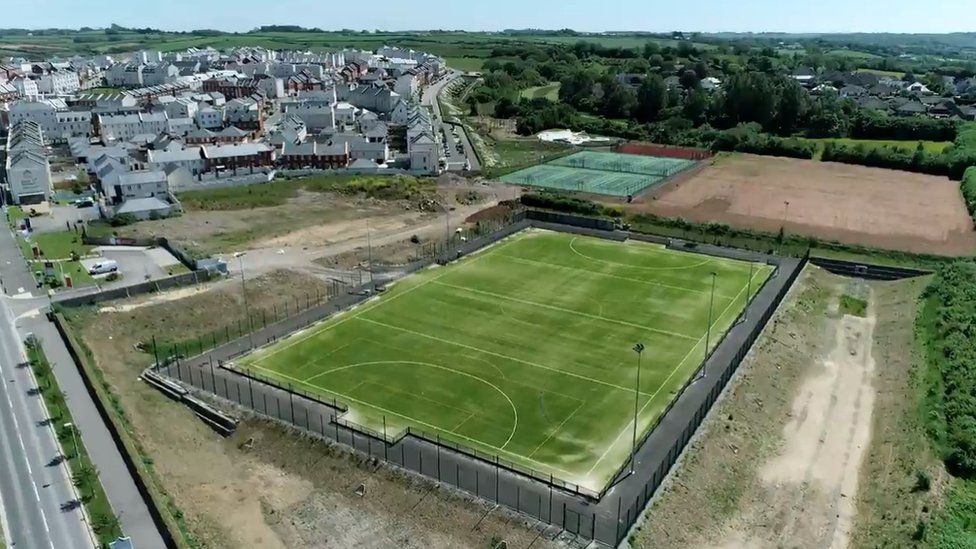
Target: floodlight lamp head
{"x": 639, "y": 348}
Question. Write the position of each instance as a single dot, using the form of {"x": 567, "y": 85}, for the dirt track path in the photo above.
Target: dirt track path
{"x": 813, "y": 480}
{"x": 300, "y": 249}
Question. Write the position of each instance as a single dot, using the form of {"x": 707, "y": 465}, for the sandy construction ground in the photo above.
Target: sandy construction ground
{"x": 851, "y": 204}
{"x": 779, "y": 462}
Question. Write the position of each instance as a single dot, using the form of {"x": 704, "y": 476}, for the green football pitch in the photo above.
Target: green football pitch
{"x": 524, "y": 349}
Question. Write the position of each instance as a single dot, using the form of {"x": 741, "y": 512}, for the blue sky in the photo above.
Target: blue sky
{"x": 593, "y": 15}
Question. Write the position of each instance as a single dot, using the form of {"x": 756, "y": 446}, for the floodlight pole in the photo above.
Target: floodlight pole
{"x": 247, "y": 310}
{"x": 745, "y": 311}
{"x": 639, "y": 349}
{"x": 708, "y": 328}
{"x": 369, "y": 252}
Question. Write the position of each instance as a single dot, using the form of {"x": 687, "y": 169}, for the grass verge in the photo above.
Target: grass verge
{"x": 171, "y": 514}
{"x": 84, "y": 474}
{"x": 277, "y": 193}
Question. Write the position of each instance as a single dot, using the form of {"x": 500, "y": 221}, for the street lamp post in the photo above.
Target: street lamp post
{"x": 639, "y": 349}
{"x": 247, "y": 310}
{"x": 708, "y": 327}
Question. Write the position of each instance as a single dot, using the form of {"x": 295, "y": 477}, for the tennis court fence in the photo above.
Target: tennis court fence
{"x": 669, "y": 151}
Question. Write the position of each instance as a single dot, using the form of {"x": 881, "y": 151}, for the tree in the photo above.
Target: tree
{"x": 577, "y": 89}
{"x": 651, "y": 98}
{"x": 689, "y": 80}
{"x": 696, "y": 106}
{"x": 618, "y": 100}
{"x": 750, "y": 97}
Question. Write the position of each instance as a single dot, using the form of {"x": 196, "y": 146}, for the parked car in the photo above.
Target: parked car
{"x": 104, "y": 267}
{"x": 84, "y": 203}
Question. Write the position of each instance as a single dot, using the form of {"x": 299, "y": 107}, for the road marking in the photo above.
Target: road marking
{"x": 492, "y": 353}
{"x": 431, "y": 365}
{"x": 562, "y": 309}
{"x": 316, "y": 330}
{"x": 558, "y": 428}
{"x": 417, "y": 421}
{"x": 608, "y": 275}
{"x": 675, "y": 370}
{"x": 577, "y": 252}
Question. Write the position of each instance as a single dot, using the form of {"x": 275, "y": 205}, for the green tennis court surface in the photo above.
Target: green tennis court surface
{"x": 524, "y": 349}
{"x": 600, "y": 172}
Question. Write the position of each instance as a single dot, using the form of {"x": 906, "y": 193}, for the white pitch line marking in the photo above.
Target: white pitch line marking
{"x": 562, "y": 309}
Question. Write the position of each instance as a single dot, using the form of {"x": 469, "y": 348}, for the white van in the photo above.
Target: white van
{"x": 104, "y": 267}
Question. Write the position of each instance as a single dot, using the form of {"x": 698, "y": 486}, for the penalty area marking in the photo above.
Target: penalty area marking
{"x": 416, "y": 363}
{"x": 608, "y": 262}
{"x": 417, "y": 421}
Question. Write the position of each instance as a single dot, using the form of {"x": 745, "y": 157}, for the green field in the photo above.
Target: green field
{"x": 524, "y": 349}
{"x": 550, "y": 91}
{"x": 934, "y": 147}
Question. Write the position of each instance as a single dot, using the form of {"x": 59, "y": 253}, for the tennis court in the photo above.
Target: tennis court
{"x": 600, "y": 172}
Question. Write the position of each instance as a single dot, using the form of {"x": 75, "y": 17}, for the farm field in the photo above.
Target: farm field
{"x": 851, "y": 204}
{"x": 524, "y": 350}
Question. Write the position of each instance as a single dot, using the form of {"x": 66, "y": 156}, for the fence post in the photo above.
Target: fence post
{"x": 250, "y": 392}
{"x": 291, "y": 404}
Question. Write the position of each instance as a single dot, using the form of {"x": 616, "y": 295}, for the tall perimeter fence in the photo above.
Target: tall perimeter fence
{"x": 604, "y": 516}
{"x": 668, "y": 151}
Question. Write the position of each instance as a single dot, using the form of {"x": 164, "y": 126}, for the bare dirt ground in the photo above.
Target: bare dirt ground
{"x": 781, "y": 461}
{"x": 266, "y": 486}
{"x": 852, "y": 204}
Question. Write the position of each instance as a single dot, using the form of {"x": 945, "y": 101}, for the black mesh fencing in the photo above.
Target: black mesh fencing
{"x": 605, "y": 515}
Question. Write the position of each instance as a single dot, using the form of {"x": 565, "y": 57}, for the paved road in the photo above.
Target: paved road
{"x": 24, "y": 524}
{"x": 34, "y": 483}
{"x": 429, "y": 98}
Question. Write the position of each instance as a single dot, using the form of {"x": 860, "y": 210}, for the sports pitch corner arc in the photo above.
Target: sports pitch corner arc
{"x": 524, "y": 349}
{"x": 600, "y": 172}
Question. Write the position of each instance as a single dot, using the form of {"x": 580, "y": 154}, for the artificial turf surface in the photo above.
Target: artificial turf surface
{"x": 524, "y": 349}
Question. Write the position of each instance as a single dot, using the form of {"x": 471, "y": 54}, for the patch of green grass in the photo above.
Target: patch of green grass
{"x": 879, "y": 72}
{"x": 84, "y": 475}
{"x": 524, "y": 350}
{"x": 466, "y": 64}
{"x": 850, "y": 305}
{"x": 550, "y": 91}
{"x": 15, "y": 214}
{"x": 279, "y": 192}
{"x": 513, "y": 154}
{"x": 954, "y": 526}
{"x": 58, "y": 245}
{"x": 933, "y": 147}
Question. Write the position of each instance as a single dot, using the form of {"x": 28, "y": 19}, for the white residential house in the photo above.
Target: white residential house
{"x": 182, "y": 107}
{"x": 375, "y": 97}
{"x": 408, "y": 85}
{"x": 180, "y": 126}
{"x": 401, "y": 113}
{"x": 272, "y": 87}
{"x": 127, "y": 126}
{"x": 26, "y": 87}
{"x": 28, "y": 172}
{"x": 53, "y": 116}
{"x": 28, "y": 177}
{"x": 121, "y": 186}
{"x": 58, "y": 82}
{"x": 125, "y": 75}
{"x": 159, "y": 73}
{"x": 210, "y": 118}
{"x": 422, "y": 150}
{"x": 316, "y": 117}
{"x": 189, "y": 158}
